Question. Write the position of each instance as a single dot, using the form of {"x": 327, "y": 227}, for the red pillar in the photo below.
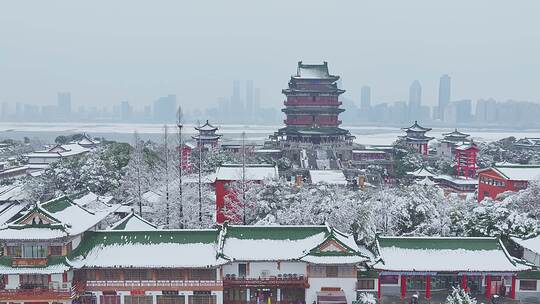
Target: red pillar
{"x": 379, "y": 287}
{"x": 513, "y": 289}
{"x": 428, "y": 287}
{"x": 464, "y": 282}
{"x": 488, "y": 286}
{"x": 403, "y": 286}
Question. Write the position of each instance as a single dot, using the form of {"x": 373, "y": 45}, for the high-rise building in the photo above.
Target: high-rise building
{"x": 249, "y": 97}
{"x": 444, "y": 94}
{"x": 415, "y": 100}
{"x": 64, "y": 105}
{"x": 257, "y": 103}
{"x": 236, "y": 101}
{"x": 165, "y": 109}
{"x": 126, "y": 111}
{"x": 486, "y": 111}
{"x": 365, "y": 98}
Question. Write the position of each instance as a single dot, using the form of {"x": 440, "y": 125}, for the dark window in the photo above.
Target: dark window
{"x": 331, "y": 271}
{"x": 169, "y": 274}
{"x": 56, "y": 250}
{"x": 14, "y": 251}
{"x": 242, "y": 270}
{"x": 527, "y": 284}
{"x": 137, "y": 275}
{"x": 106, "y": 299}
{"x": 366, "y": 284}
{"x": 389, "y": 279}
{"x": 201, "y": 299}
{"x": 138, "y": 300}
{"x": 111, "y": 275}
{"x": 170, "y": 299}
{"x": 202, "y": 274}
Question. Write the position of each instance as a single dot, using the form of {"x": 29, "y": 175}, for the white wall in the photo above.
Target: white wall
{"x": 348, "y": 285}
{"x": 256, "y": 268}
{"x": 13, "y": 281}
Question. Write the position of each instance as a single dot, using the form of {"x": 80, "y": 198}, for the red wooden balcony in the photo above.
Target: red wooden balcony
{"x": 300, "y": 282}
{"x": 23, "y": 294}
{"x": 29, "y": 262}
{"x": 154, "y": 285}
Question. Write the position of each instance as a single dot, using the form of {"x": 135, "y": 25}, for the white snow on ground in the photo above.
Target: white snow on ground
{"x": 331, "y": 177}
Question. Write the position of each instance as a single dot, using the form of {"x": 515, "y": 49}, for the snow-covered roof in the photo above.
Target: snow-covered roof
{"x": 459, "y": 180}
{"x": 533, "y": 244}
{"x": 9, "y": 210}
{"x": 416, "y": 128}
{"x": 316, "y": 244}
{"x": 516, "y": 171}
{"x": 60, "y": 151}
{"x": 368, "y": 151}
{"x": 426, "y": 182}
{"x": 167, "y": 249}
{"x": 331, "y": 177}
{"x": 439, "y": 254}
{"x": 12, "y": 193}
{"x": 133, "y": 222}
{"x": 313, "y": 71}
{"x": 253, "y": 172}
{"x": 53, "y": 219}
{"x": 91, "y": 200}
{"x": 422, "y": 172}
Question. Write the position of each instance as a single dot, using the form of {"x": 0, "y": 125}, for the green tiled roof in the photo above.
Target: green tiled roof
{"x": 103, "y": 238}
{"x": 274, "y": 232}
{"x": 57, "y": 205}
{"x": 440, "y": 243}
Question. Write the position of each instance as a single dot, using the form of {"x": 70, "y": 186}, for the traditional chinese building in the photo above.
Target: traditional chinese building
{"x": 450, "y": 141}
{"x": 312, "y": 107}
{"x": 428, "y": 268}
{"x": 465, "y": 160}
{"x": 34, "y": 265}
{"x": 507, "y": 177}
{"x": 207, "y": 137}
{"x": 416, "y": 138}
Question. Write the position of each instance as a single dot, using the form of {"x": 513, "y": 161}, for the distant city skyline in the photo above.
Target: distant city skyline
{"x": 138, "y": 51}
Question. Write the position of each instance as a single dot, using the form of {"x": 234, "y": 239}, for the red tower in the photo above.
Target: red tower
{"x": 312, "y": 107}
{"x": 465, "y": 160}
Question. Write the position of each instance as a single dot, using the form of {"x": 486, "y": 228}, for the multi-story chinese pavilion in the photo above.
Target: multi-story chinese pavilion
{"x": 207, "y": 137}
{"x": 465, "y": 160}
{"x": 416, "y": 138}
{"x": 312, "y": 107}
{"x": 450, "y": 141}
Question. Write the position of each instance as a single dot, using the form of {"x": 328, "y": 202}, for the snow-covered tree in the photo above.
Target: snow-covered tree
{"x": 459, "y": 296}
{"x": 366, "y": 298}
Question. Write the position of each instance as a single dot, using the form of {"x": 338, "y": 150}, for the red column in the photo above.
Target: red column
{"x": 488, "y": 286}
{"x": 428, "y": 287}
{"x": 403, "y": 286}
{"x": 464, "y": 282}
{"x": 379, "y": 287}
{"x": 513, "y": 290}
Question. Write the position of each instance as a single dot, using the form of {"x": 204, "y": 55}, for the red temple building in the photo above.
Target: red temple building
{"x": 465, "y": 160}
{"x": 207, "y": 137}
{"x": 416, "y": 138}
{"x": 312, "y": 107}
{"x": 508, "y": 177}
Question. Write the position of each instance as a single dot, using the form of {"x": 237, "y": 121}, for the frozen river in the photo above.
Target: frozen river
{"x": 369, "y": 135}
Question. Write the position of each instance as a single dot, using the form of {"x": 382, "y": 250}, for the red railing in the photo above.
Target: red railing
{"x": 151, "y": 283}
{"x": 36, "y": 294}
{"x": 269, "y": 281}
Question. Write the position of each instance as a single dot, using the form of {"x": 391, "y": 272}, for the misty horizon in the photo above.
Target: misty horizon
{"x": 139, "y": 52}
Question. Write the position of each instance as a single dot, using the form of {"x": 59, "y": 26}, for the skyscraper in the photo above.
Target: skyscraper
{"x": 365, "y": 98}
{"x": 444, "y": 94}
{"x": 236, "y": 102}
{"x": 64, "y": 105}
{"x": 415, "y": 99}
{"x": 249, "y": 97}
{"x": 165, "y": 109}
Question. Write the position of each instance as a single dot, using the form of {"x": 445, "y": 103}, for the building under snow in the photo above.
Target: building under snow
{"x": 505, "y": 177}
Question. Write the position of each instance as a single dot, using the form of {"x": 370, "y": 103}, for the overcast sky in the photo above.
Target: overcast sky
{"x": 107, "y": 51}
